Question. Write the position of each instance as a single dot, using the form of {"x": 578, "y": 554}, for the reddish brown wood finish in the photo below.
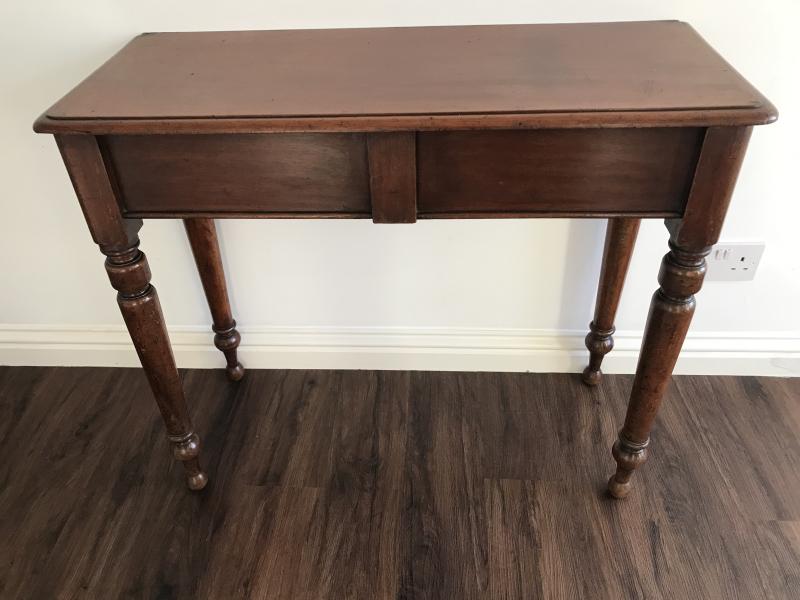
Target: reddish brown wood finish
{"x": 591, "y": 74}
{"x": 672, "y": 306}
{"x": 622, "y": 120}
{"x": 130, "y": 275}
{"x": 187, "y": 174}
{"x": 95, "y": 192}
{"x": 393, "y": 177}
{"x": 202, "y": 234}
{"x": 620, "y": 239}
{"x": 586, "y": 172}
{"x": 568, "y": 171}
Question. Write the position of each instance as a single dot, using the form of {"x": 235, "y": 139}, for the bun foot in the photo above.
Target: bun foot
{"x": 629, "y": 456}
{"x": 618, "y": 490}
{"x": 236, "y": 372}
{"x": 197, "y": 481}
{"x": 186, "y": 448}
{"x": 591, "y": 377}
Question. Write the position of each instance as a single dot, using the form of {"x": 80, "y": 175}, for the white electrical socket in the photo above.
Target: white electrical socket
{"x": 734, "y": 261}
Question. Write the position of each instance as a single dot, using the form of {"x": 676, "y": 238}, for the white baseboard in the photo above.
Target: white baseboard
{"x": 429, "y": 349}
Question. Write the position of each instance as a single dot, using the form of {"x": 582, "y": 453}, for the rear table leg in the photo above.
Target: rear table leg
{"x": 620, "y": 238}
{"x": 202, "y": 235}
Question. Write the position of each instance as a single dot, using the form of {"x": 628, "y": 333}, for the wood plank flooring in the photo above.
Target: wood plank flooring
{"x": 395, "y": 485}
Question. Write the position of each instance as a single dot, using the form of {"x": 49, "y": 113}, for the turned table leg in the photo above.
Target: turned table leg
{"x": 130, "y": 276}
{"x": 202, "y": 235}
{"x": 672, "y": 306}
{"x": 620, "y": 238}
{"x": 671, "y": 311}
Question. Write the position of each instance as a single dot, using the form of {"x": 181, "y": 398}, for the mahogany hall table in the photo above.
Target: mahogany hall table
{"x": 621, "y": 121}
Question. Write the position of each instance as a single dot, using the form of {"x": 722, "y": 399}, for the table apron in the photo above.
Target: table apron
{"x": 397, "y": 177}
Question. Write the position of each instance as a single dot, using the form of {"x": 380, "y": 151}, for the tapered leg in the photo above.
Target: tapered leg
{"x": 620, "y": 238}
{"x": 672, "y": 306}
{"x": 202, "y": 235}
{"x": 130, "y": 276}
{"x": 671, "y": 311}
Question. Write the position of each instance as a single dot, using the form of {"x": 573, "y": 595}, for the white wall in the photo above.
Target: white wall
{"x": 459, "y": 295}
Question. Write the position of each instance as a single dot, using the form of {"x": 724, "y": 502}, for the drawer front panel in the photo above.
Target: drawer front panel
{"x": 590, "y": 171}
{"x": 241, "y": 173}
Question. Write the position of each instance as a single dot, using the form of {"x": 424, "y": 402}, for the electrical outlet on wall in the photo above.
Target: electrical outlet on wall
{"x": 734, "y": 261}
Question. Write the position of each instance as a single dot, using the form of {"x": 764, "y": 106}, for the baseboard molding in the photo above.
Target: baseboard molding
{"x": 402, "y": 348}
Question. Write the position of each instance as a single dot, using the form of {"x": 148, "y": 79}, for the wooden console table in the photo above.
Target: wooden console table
{"x": 621, "y": 121}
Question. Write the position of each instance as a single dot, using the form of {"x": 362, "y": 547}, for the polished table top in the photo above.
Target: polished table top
{"x": 503, "y": 76}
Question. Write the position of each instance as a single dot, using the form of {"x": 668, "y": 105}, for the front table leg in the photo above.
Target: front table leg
{"x": 671, "y": 310}
{"x": 672, "y": 306}
{"x": 129, "y": 273}
{"x": 130, "y": 276}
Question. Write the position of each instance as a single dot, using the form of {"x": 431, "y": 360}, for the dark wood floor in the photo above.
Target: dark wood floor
{"x": 364, "y": 485}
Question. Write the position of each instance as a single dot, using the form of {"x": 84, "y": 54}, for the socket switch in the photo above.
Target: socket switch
{"x": 734, "y": 261}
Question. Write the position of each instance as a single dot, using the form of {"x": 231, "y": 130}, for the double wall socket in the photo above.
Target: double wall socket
{"x": 734, "y": 261}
